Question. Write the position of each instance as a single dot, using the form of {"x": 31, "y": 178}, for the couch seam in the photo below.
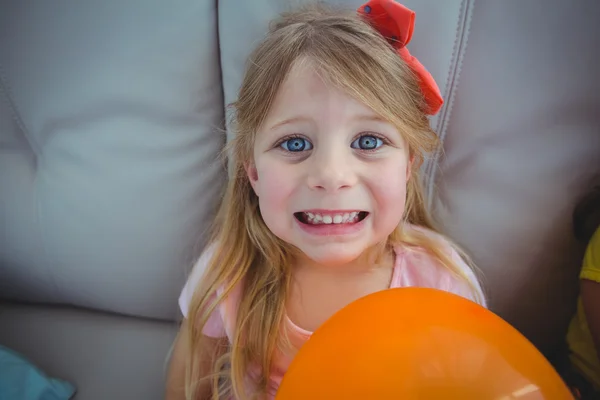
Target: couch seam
{"x": 463, "y": 29}
{"x": 5, "y": 88}
{"x": 33, "y": 145}
{"x": 220, "y": 62}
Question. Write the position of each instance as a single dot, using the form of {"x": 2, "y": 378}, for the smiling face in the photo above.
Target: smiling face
{"x": 330, "y": 175}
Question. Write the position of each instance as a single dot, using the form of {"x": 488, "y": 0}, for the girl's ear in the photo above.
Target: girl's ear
{"x": 252, "y": 174}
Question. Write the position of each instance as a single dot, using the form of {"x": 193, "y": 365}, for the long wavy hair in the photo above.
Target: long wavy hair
{"x": 351, "y": 55}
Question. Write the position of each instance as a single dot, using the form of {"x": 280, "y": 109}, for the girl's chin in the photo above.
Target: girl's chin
{"x": 331, "y": 258}
{"x": 336, "y": 255}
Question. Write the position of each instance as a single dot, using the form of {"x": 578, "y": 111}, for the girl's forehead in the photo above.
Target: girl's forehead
{"x": 306, "y": 90}
{"x": 303, "y": 79}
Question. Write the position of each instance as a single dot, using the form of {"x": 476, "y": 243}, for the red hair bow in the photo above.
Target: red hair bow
{"x": 395, "y": 22}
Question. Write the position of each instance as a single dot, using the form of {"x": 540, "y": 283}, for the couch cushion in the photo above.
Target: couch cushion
{"x": 110, "y": 118}
{"x": 522, "y": 143}
{"x": 104, "y": 356}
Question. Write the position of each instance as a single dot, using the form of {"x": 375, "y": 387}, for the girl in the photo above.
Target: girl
{"x": 583, "y": 336}
{"x": 325, "y": 205}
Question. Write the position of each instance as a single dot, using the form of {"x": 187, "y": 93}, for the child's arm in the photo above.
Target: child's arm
{"x": 590, "y": 297}
{"x": 176, "y": 376}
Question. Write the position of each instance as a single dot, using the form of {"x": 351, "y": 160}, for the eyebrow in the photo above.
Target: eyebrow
{"x": 288, "y": 121}
{"x": 370, "y": 117}
{"x": 360, "y": 117}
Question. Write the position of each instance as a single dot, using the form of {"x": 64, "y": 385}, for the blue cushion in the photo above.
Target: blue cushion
{"x": 20, "y": 380}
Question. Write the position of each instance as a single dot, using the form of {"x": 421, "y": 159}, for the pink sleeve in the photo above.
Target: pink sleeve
{"x": 461, "y": 288}
{"x": 421, "y": 269}
{"x": 214, "y": 326}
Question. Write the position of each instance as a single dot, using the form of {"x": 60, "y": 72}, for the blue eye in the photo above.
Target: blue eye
{"x": 367, "y": 142}
{"x": 296, "y": 145}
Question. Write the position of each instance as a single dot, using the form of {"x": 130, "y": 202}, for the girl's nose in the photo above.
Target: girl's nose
{"x": 331, "y": 170}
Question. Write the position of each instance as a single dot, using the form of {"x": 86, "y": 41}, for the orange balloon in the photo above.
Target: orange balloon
{"x": 417, "y": 343}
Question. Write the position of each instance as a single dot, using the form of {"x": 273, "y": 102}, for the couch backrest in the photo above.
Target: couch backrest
{"x": 110, "y": 131}
{"x": 522, "y": 141}
{"x": 110, "y": 134}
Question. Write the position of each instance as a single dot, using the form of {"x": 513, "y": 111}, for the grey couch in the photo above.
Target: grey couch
{"x": 111, "y": 120}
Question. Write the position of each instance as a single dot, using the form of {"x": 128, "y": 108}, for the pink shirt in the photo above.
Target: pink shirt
{"x": 412, "y": 268}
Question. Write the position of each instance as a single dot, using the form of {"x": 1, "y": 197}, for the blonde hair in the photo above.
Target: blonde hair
{"x": 351, "y": 55}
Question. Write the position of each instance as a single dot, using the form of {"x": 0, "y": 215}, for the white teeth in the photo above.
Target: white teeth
{"x": 345, "y": 218}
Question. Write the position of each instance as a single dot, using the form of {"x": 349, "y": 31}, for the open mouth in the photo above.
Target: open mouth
{"x": 312, "y": 218}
